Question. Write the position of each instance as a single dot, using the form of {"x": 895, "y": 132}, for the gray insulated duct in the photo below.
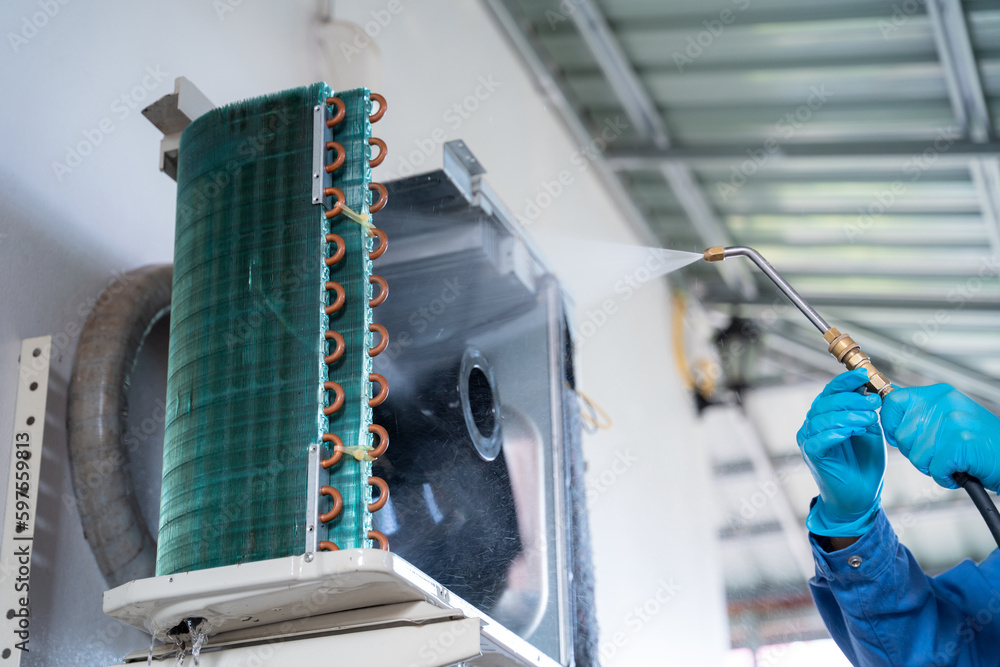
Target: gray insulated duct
{"x": 110, "y": 342}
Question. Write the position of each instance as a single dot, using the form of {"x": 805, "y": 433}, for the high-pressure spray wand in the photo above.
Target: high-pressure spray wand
{"x": 849, "y": 353}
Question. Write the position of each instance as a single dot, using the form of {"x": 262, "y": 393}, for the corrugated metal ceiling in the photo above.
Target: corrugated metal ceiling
{"x": 897, "y": 224}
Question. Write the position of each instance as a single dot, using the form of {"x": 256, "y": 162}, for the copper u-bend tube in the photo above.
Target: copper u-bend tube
{"x": 341, "y": 111}
{"x": 338, "y": 503}
{"x": 338, "y": 402}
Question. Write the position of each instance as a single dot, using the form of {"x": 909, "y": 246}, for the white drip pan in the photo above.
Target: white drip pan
{"x": 285, "y": 609}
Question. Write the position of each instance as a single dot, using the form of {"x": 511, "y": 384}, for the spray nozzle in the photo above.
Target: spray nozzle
{"x": 841, "y": 345}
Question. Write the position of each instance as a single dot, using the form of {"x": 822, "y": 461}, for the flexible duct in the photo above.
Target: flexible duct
{"x": 110, "y": 342}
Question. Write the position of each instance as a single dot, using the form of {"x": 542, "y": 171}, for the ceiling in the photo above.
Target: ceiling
{"x": 854, "y": 144}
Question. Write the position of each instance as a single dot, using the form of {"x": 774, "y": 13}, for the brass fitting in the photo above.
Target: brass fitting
{"x": 849, "y": 353}
{"x": 715, "y": 254}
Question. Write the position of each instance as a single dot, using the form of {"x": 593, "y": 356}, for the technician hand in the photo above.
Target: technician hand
{"x": 943, "y": 431}
{"x": 841, "y": 442}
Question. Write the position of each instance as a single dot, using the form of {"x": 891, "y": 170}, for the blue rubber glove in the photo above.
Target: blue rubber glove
{"x": 942, "y": 431}
{"x": 842, "y": 444}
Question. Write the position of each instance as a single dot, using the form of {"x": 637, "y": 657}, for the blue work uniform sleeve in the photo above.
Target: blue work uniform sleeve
{"x": 882, "y": 609}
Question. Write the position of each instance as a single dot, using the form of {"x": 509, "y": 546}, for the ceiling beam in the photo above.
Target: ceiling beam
{"x": 783, "y": 463}
{"x": 711, "y": 230}
{"x": 905, "y": 364}
{"x": 986, "y": 177}
{"x": 961, "y": 72}
{"x": 948, "y": 152}
{"x": 780, "y": 306}
{"x": 885, "y": 349}
{"x": 968, "y": 101}
{"x": 946, "y": 509}
{"x": 810, "y": 353}
{"x": 911, "y": 364}
{"x": 618, "y": 70}
{"x": 740, "y": 428}
{"x": 648, "y": 122}
{"x": 787, "y": 465}
{"x": 519, "y": 32}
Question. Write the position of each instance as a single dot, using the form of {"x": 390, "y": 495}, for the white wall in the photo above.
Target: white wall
{"x": 61, "y": 238}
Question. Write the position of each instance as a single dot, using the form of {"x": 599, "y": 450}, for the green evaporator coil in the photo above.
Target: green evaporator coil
{"x": 258, "y": 445}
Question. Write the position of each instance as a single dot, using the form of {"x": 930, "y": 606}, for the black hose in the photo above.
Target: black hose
{"x": 982, "y": 501}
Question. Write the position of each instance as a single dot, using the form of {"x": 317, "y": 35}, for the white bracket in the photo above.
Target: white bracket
{"x": 171, "y": 114}
{"x": 22, "y": 498}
